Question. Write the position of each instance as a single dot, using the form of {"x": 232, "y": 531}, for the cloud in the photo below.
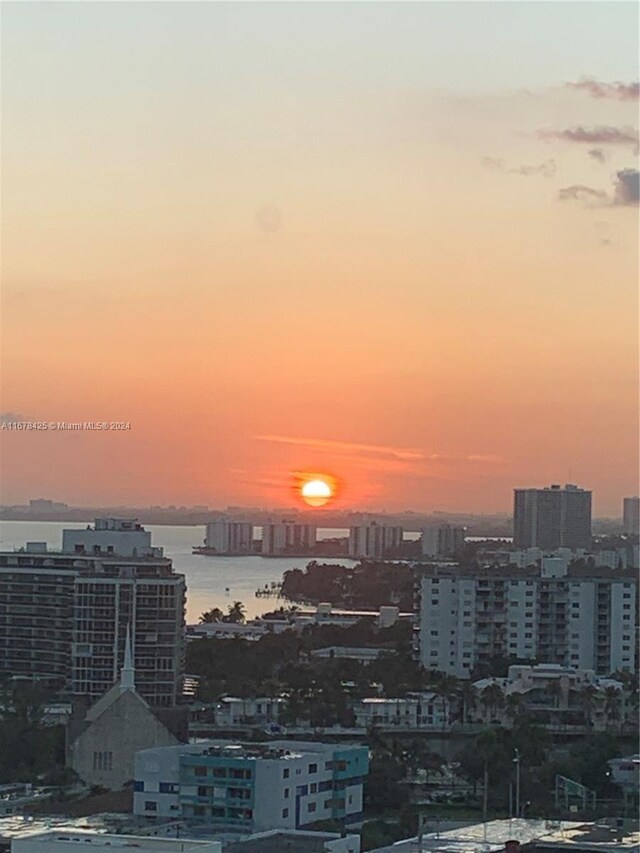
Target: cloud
{"x": 585, "y": 195}
{"x": 601, "y": 135}
{"x": 348, "y": 446}
{"x": 11, "y": 417}
{"x": 546, "y": 169}
{"x": 614, "y": 91}
{"x": 269, "y": 218}
{"x": 626, "y": 192}
{"x": 627, "y": 188}
{"x": 598, "y": 155}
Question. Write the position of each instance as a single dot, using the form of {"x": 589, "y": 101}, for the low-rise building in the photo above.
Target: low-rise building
{"x": 552, "y": 694}
{"x": 625, "y": 772}
{"x": 416, "y": 711}
{"x": 61, "y": 841}
{"x": 232, "y": 711}
{"x": 251, "y": 787}
{"x": 364, "y": 654}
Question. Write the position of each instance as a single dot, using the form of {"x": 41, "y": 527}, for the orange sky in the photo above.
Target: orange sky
{"x": 278, "y": 253}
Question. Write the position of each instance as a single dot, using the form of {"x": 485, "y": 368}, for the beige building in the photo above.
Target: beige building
{"x": 103, "y": 747}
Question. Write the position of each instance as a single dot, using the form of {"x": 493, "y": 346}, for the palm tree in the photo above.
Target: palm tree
{"x": 213, "y": 615}
{"x": 237, "y": 613}
{"x": 468, "y": 697}
{"x": 587, "y": 700}
{"x": 514, "y": 705}
{"x": 492, "y": 698}
{"x": 555, "y": 691}
{"x": 446, "y": 688}
{"x": 612, "y": 703}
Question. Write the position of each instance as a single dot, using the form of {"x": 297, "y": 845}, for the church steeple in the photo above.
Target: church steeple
{"x": 127, "y": 673}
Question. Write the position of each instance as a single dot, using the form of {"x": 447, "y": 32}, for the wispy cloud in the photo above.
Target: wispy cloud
{"x": 598, "y": 155}
{"x": 601, "y": 135}
{"x": 11, "y": 417}
{"x": 329, "y": 445}
{"x": 546, "y": 169}
{"x": 625, "y": 192}
{"x": 616, "y": 91}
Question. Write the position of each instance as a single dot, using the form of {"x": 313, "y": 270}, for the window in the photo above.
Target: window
{"x": 285, "y": 774}
{"x": 168, "y": 788}
{"x": 285, "y": 812}
{"x": 313, "y": 768}
{"x": 151, "y": 806}
{"x": 220, "y": 772}
{"x": 200, "y": 771}
{"x": 312, "y": 807}
{"x": 202, "y": 790}
{"x": 313, "y": 788}
{"x": 286, "y": 793}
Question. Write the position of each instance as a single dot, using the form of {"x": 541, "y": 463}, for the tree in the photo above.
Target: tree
{"x": 514, "y": 706}
{"x": 210, "y": 616}
{"x": 587, "y": 702}
{"x": 468, "y": 696}
{"x": 612, "y": 703}
{"x": 237, "y": 613}
{"x": 492, "y": 698}
{"x": 446, "y": 689}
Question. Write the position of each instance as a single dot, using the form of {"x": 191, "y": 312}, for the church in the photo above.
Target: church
{"x": 102, "y": 742}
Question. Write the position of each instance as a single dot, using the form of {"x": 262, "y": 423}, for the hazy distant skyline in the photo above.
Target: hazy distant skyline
{"x": 392, "y": 242}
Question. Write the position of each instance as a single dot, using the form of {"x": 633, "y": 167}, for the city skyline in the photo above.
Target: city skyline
{"x": 277, "y": 239}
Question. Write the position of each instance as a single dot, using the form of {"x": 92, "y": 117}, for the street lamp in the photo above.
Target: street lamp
{"x": 516, "y": 761}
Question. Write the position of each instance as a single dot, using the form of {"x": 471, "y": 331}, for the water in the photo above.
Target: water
{"x": 208, "y": 578}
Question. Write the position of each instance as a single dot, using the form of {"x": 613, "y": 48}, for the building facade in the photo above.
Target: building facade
{"x": 225, "y": 536}
{"x": 631, "y": 516}
{"x": 64, "y": 619}
{"x": 288, "y": 537}
{"x": 65, "y": 841}
{"x": 415, "y": 711}
{"x": 553, "y": 517}
{"x": 442, "y": 541}
{"x": 578, "y": 617}
{"x": 122, "y": 536}
{"x": 252, "y": 787}
{"x": 374, "y": 541}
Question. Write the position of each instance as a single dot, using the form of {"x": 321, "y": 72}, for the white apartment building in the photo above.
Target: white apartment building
{"x": 122, "y": 537}
{"x": 287, "y": 537}
{"x": 579, "y": 618}
{"x": 225, "y": 536}
{"x": 374, "y": 541}
{"x": 442, "y": 541}
{"x": 251, "y": 787}
{"x": 415, "y": 711}
{"x": 63, "y": 841}
{"x": 233, "y": 711}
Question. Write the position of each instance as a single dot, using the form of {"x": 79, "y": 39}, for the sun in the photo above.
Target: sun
{"x": 316, "y": 492}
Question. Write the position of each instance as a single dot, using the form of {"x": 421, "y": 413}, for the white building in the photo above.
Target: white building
{"x": 631, "y": 516}
{"x": 556, "y": 694}
{"x": 287, "y": 537}
{"x": 626, "y": 773}
{"x": 233, "y": 711}
{"x": 63, "y": 841}
{"x": 374, "y": 541}
{"x": 579, "y": 618}
{"x": 225, "y": 536}
{"x": 365, "y": 654}
{"x": 123, "y": 537}
{"x": 442, "y": 541}
{"x": 415, "y": 711}
{"x": 254, "y": 786}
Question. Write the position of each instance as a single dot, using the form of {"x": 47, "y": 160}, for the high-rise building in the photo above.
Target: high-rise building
{"x": 442, "y": 541}
{"x": 578, "y": 617}
{"x": 125, "y": 537}
{"x": 251, "y": 787}
{"x": 553, "y": 517}
{"x": 374, "y": 541}
{"x": 64, "y": 616}
{"x": 225, "y": 536}
{"x": 631, "y": 516}
{"x": 288, "y": 537}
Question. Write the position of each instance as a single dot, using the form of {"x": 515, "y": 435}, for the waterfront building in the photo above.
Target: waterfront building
{"x": 225, "y": 536}
{"x": 442, "y": 541}
{"x": 577, "y": 616}
{"x": 122, "y": 536}
{"x": 414, "y": 711}
{"x": 288, "y": 537}
{"x": 64, "y": 617}
{"x": 250, "y": 787}
{"x": 631, "y": 516}
{"x": 374, "y": 541}
{"x": 553, "y": 517}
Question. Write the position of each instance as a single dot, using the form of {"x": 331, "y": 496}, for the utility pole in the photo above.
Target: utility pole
{"x": 516, "y": 761}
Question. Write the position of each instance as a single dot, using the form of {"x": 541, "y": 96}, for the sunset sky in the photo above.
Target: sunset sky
{"x": 392, "y": 242}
